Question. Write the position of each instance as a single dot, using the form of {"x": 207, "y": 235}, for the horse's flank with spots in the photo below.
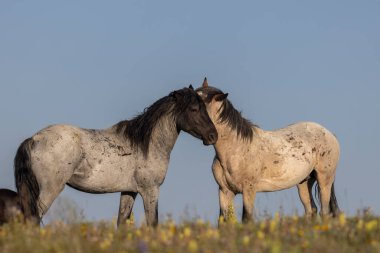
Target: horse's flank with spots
{"x": 249, "y": 159}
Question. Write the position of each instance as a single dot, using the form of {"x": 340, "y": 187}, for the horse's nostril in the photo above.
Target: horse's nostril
{"x": 212, "y": 137}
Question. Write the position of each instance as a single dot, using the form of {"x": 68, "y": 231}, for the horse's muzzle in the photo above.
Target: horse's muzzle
{"x": 211, "y": 138}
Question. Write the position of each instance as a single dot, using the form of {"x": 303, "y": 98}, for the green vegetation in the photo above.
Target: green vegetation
{"x": 278, "y": 234}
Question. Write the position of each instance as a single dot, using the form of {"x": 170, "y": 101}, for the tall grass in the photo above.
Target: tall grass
{"x": 277, "y": 234}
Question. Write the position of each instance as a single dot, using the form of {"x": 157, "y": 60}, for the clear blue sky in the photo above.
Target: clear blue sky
{"x": 93, "y": 63}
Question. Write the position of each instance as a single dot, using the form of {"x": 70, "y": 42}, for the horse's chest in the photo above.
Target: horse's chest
{"x": 234, "y": 178}
{"x": 148, "y": 176}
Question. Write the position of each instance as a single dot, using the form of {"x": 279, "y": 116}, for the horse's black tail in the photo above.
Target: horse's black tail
{"x": 334, "y": 208}
{"x": 26, "y": 182}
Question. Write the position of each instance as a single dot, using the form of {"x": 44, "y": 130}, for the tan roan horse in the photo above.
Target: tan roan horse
{"x": 249, "y": 159}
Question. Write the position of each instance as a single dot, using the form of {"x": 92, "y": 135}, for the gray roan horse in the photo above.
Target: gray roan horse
{"x": 130, "y": 157}
{"x": 9, "y": 206}
{"x": 249, "y": 159}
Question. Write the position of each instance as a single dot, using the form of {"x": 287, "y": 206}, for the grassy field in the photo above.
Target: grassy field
{"x": 278, "y": 234}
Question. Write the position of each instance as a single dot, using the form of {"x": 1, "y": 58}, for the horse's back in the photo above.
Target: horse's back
{"x": 310, "y": 132}
{"x": 323, "y": 144}
{"x": 317, "y": 135}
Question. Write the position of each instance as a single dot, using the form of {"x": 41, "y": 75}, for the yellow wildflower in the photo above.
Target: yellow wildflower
{"x": 42, "y": 232}
{"x": 231, "y": 214}
{"x": 293, "y": 230}
{"x": 131, "y": 219}
{"x": 260, "y": 234}
{"x": 138, "y": 233}
{"x": 277, "y": 217}
{"x": 272, "y": 225}
{"x": 342, "y": 219}
{"x": 187, "y": 232}
{"x": 192, "y": 246}
{"x": 164, "y": 236}
{"x": 221, "y": 219}
{"x": 371, "y": 225}
{"x": 263, "y": 225}
{"x": 276, "y": 247}
{"x": 245, "y": 240}
{"x": 105, "y": 244}
{"x": 323, "y": 227}
{"x": 212, "y": 233}
{"x": 200, "y": 222}
{"x": 154, "y": 245}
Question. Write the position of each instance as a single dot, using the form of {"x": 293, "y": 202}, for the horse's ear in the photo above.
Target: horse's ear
{"x": 205, "y": 83}
{"x": 176, "y": 95}
{"x": 191, "y": 87}
{"x": 173, "y": 94}
{"x": 220, "y": 97}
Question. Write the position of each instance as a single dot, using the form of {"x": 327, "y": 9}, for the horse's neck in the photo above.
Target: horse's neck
{"x": 164, "y": 136}
{"x": 227, "y": 140}
{"x": 230, "y": 143}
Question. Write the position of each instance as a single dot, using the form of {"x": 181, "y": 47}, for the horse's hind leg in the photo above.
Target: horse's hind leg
{"x": 325, "y": 182}
{"x": 48, "y": 193}
{"x": 127, "y": 200}
{"x": 51, "y": 184}
{"x": 325, "y": 174}
{"x": 306, "y": 196}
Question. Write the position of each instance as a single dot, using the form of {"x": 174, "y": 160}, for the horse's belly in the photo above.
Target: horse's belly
{"x": 104, "y": 177}
{"x": 283, "y": 177}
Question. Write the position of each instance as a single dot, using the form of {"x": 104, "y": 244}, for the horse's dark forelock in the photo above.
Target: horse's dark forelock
{"x": 139, "y": 129}
{"x": 228, "y": 114}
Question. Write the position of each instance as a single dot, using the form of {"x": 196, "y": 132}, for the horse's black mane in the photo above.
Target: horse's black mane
{"x": 230, "y": 115}
{"x": 139, "y": 129}
{"x": 236, "y": 121}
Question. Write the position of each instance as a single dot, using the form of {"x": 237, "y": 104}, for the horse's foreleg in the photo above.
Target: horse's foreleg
{"x": 226, "y": 201}
{"x": 248, "y": 203}
{"x": 127, "y": 200}
{"x": 150, "y": 199}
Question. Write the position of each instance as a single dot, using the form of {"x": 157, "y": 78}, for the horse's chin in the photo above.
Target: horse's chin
{"x": 206, "y": 142}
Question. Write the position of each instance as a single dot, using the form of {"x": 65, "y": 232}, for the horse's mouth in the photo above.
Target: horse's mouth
{"x": 206, "y": 142}
{"x": 210, "y": 139}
